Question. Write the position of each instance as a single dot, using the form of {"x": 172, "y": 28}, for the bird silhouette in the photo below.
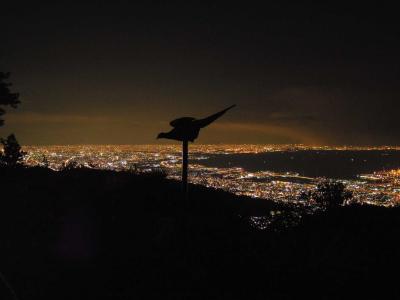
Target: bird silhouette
{"x": 188, "y": 128}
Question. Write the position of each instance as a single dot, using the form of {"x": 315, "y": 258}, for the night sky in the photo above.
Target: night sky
{"x": 118, "y": 73}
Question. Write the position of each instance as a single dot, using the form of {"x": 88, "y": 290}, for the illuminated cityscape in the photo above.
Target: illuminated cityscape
{"x": 381, "y": 187}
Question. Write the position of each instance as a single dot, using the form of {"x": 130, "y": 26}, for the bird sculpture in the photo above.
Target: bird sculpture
{"x": 187, "y": 129}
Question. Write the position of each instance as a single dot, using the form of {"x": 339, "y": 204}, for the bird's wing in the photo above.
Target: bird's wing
{"x": 181, "y": 121}
{"x": 207, "y": 121}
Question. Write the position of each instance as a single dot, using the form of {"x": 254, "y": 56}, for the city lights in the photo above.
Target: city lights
{"x": 378, "y": 188}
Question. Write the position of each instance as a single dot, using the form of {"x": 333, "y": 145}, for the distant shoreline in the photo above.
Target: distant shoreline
{"x": 276, "y": 146}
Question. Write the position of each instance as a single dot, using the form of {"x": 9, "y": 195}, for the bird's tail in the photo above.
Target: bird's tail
{"x": 207, "y": 121}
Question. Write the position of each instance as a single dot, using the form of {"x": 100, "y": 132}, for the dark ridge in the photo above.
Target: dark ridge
{"x": 93, "y": 234}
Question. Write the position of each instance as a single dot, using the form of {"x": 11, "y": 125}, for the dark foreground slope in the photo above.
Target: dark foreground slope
{"x": 87, "y": 234}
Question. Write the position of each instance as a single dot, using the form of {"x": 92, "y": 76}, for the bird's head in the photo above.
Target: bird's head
{"x": 161, "y": 135}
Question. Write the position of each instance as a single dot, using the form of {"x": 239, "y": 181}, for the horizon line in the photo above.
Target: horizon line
{"x": 221, "y": 144}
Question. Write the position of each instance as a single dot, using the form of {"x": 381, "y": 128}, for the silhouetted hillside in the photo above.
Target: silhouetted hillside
{"x": 90, "y": 234}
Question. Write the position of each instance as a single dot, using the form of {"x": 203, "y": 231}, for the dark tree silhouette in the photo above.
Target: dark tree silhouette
{"x": 330, "y": 194}
{"x": 7, "y": 98}
{"x": 12, "y": 154}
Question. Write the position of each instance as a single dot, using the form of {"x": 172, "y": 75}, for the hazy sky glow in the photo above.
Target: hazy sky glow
{"x": 118, "y": 74}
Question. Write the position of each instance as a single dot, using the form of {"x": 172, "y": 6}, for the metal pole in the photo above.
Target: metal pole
{"x": 185, "y": 150}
